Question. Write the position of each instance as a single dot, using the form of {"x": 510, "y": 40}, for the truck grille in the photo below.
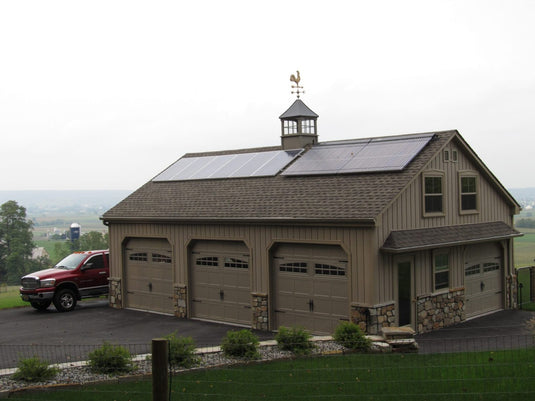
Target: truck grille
{"x": 29, "y": 283}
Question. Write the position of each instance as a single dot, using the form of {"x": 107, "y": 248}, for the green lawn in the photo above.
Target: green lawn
{"x": 500, "y": 375}
{"x": 525, "y": 248}
{"x": 10, "y": 298}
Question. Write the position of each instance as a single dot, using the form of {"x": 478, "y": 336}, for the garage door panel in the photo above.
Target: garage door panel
{"x": 149, "y": 275}
{"x": 310, "y": 286}
{"x": 483, "y": 279}
{"x": 219, "y": 277}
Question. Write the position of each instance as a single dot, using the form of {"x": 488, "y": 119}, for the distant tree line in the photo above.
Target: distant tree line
{"x": 525, "y": 223}
{"x": 16, "y": 244}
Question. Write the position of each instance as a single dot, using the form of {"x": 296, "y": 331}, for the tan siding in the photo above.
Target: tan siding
{"x": 359, "y": 243}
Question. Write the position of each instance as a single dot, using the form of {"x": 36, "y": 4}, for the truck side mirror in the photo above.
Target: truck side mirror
{"x": 87, "y": 266}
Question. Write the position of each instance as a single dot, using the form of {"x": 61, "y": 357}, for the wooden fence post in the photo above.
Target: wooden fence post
{"x": 160, "y": 374}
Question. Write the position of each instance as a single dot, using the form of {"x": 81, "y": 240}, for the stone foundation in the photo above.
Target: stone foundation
{"x": 115, "y": 295}
{"x": 180, "y": 298}
{"x": 372, "y": 319}
{"x": 511, "y": 292}
{"x": 260, "y": 312}
{"x": 441, "y": 310}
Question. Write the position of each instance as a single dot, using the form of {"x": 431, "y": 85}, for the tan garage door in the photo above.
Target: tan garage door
{"x": 220, "y": 282}
{"x": 149, "y": 275}
{"x": 483, "y": 279}
{"x": 310, "y": 287}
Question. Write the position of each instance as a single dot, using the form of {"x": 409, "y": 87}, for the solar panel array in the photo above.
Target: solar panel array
{"x": 255, "y": 164}
{"x": 371, "y": 155}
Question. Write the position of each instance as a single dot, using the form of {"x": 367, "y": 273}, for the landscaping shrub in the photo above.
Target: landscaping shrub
{"x": 110, "y": 359}
{"x": 351, "y": 336}
{"x": 34, "y": 370}
{"x": 294, "y": 339}
{"x": 241, "y": 344}
{"x": 181, "y": 351}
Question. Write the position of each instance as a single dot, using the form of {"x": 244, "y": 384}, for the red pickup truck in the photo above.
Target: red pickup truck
{"x": 79, "y": 275}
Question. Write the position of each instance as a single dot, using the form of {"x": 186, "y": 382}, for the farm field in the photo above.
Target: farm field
{"x": 498, "y": 375}
{"x": 525, "y": 248}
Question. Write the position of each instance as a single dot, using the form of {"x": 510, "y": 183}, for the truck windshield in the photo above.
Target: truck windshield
{"x": 71, "y": 261}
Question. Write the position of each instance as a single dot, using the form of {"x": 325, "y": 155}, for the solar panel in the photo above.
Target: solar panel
{"x": 254, "y": 164}
{"x": 370, "y": 155}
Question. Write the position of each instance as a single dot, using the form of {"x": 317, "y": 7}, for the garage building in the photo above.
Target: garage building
{"x": 406, "y": 230}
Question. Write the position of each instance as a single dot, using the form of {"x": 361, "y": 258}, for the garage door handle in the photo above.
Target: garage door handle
{"x": 279, "y": 311}
{"x": 247, "y": 306}
{"x": 196, "y": 300}
{"x": 311, "y": 305}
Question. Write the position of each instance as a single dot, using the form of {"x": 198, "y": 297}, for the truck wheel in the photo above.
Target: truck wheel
{"x": 40, "y": 305}
{"x": 65, "y": 300}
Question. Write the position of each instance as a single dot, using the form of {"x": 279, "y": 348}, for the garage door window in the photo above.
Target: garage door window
{"x": 207, "y": 261}
{"x": 489, "y": 267}
{"x": 329, "y": 270}
{"x": 138, "y": 257}
{"x": 158, "y": 258}
{"x": 472, "y": 270}
{"x": 293, "y": 267}
{"x": 236, "y": 263}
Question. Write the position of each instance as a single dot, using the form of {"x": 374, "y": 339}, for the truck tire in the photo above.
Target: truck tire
{"x": 65, "y": 300}
{"x": 40, "y": 305}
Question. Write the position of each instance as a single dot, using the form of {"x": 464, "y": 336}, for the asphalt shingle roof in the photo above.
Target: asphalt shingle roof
{"x": 406, "y": 240}
{"x": 343, "y": 197}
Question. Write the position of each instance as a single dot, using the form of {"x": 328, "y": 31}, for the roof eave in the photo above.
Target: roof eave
{"x": 448, "y": 244}
{"x": 363, "y": 222}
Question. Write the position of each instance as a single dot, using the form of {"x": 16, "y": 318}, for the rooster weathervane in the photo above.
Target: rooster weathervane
{"x": 296, "y": 79}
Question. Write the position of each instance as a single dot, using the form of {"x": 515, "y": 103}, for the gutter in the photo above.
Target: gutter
{"x": 367, "y": 222}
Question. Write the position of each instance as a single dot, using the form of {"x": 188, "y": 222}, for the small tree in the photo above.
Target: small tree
{"x": 15, "y": 242}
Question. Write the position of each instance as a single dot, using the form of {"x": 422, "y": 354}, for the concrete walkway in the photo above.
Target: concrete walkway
{"x": 500, "y": 330}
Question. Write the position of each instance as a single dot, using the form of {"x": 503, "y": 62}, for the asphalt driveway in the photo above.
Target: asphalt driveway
{"x": 60, "y": 337}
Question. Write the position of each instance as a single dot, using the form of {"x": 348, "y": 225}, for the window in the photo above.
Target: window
{"x": 158, "y": 258}
{"x": 207, "y": 261}
{"x": 468, "y": 190}
{"x": 138, "y": 257}
{"x": 307, "y": 127}
{"x": 96, "y": 262}
{"x": 441, "y": 267}
{"x": 330, "y": 270}
{"x": 472, "y": 270}
{"x": 290, "y": 127}
{"x": 293, "y": 267}
{"x": 489, "y": 267}
{"x": 236, "y": 263}
{"x": 433, "y": 195}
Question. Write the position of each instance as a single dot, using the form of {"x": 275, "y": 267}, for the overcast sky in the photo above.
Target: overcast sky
{"x": 106, "y": 94}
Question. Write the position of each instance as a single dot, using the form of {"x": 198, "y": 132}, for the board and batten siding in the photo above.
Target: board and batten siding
{"x": 406, "y": 212}
{"x": 358, "y": 243}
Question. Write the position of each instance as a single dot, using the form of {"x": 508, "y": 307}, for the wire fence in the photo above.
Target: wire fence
{"x": 493, "y": 367}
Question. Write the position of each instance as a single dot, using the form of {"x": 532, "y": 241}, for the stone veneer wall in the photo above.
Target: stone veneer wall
{"x": 260, "y": 312}
{"x": 115, "y": 295}
{"x": 511, "y": 292}
{"x": 372, "y": 319}
{"x": 180, "y": 298}
{"x": 436, "y": 311}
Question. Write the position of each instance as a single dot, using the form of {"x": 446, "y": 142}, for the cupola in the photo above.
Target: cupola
{"x": 298, "y": 123}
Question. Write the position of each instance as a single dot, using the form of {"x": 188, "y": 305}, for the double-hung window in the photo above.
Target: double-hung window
{"x": 468, "y": 202}
{"x": 433, "y": 190}
{"x": 441, "y": 270}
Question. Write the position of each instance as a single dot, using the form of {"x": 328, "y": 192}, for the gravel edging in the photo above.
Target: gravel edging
{"x": 77, "y": 374}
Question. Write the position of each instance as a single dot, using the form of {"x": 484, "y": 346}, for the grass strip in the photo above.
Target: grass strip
{"x": 498, "y": 375}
